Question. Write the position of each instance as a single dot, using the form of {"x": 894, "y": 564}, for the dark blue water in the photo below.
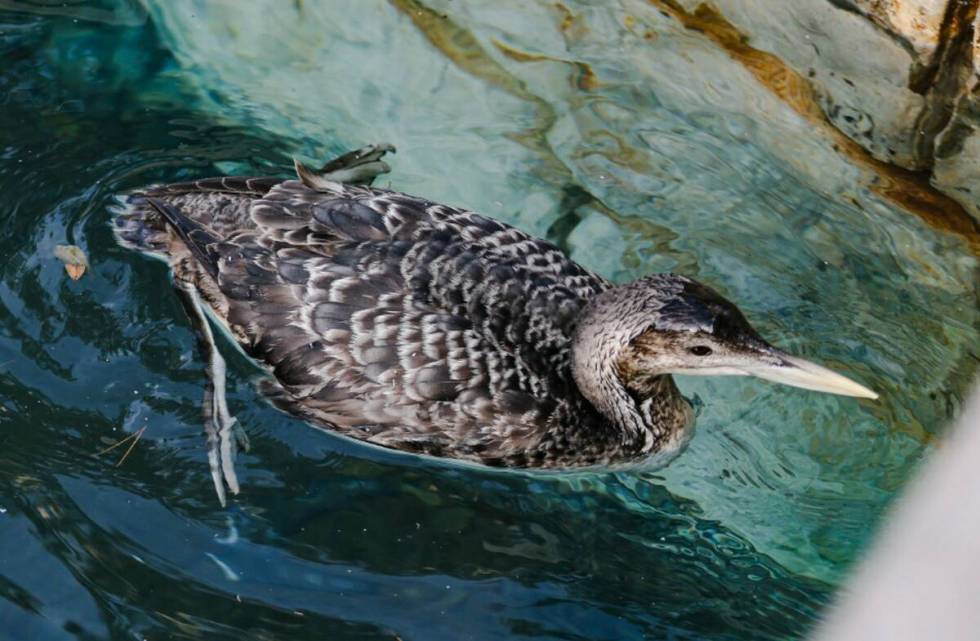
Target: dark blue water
{"x": 745, "y": 537}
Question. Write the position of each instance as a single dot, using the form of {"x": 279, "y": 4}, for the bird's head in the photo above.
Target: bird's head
{"x": 670, "y": 324}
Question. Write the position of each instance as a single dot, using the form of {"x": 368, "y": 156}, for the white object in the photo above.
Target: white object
{"x": 921, "y": 579}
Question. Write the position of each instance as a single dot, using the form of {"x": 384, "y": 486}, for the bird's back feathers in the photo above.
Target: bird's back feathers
{"x": 388, "y": 317}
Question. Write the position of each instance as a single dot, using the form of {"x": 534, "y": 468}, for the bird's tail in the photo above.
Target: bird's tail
{"x": 137, "y": 225}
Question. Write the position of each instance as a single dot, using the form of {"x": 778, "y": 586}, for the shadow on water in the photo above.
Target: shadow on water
{"x": 329, "y": 539}
{"x": 334, "y": 542}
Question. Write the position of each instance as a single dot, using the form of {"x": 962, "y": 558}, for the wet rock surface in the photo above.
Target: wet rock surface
{"x": 899, "y": 77}
{"x": 956, "y": 169}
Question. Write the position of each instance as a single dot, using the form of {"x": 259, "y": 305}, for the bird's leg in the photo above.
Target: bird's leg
{"x": 224, "y": 434}
{"x": 360, "y": 166}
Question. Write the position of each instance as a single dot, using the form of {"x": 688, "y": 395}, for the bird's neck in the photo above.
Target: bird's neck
{"x": 654, "y": 418}
{"x": 650, "y": 417}
{"x": 649, "y": 414}
{"x": 666, "y": 417}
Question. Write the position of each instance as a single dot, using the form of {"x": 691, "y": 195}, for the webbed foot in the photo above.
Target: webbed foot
{"x": 224, "y": 434}
{"x": 360, "y": 166}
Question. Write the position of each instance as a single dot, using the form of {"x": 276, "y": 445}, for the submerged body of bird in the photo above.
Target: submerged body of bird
{"x": 431, "y": 329}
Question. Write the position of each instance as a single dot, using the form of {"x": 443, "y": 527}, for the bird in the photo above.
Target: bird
{"x": 435, "y": 330}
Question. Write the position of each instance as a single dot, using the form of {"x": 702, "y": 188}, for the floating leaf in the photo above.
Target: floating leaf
{"x": 75, "y": 260}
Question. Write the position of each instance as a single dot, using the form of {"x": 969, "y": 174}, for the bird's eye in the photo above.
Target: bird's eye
{"x": 700, "y": 350}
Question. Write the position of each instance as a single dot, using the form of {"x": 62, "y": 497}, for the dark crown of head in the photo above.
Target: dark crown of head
{"x": 699, "y": 308}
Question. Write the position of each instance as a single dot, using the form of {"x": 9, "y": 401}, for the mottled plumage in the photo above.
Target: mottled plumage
{"x": 428, "y": 328}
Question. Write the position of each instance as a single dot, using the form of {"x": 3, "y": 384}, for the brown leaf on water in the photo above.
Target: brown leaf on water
{"x": 75, "y": 271}
{"x": 75, "y": 260}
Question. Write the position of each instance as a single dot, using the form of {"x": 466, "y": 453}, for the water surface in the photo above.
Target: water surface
{"x": 635, "y": 143}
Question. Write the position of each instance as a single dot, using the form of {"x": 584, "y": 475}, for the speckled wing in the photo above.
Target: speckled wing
{"x": 219, "y": 204}
{"x": 403, "y": 322}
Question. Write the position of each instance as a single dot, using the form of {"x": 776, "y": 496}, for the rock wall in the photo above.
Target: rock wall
{"x": 956, "y": 169}
{"x": 900, "y": 77}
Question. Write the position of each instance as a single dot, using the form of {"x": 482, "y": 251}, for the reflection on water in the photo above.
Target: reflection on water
{"x": 635, "y": 142}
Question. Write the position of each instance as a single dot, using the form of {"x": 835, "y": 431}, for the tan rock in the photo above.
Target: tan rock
{"x": 917, "y": 22}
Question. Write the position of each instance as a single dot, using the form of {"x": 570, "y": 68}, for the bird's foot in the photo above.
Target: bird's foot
{"x": 360, "y": 166}
{"x": 225, "y": 435}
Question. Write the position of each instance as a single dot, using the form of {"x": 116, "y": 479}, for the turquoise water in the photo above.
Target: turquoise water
{"x": 635, "y": 144}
